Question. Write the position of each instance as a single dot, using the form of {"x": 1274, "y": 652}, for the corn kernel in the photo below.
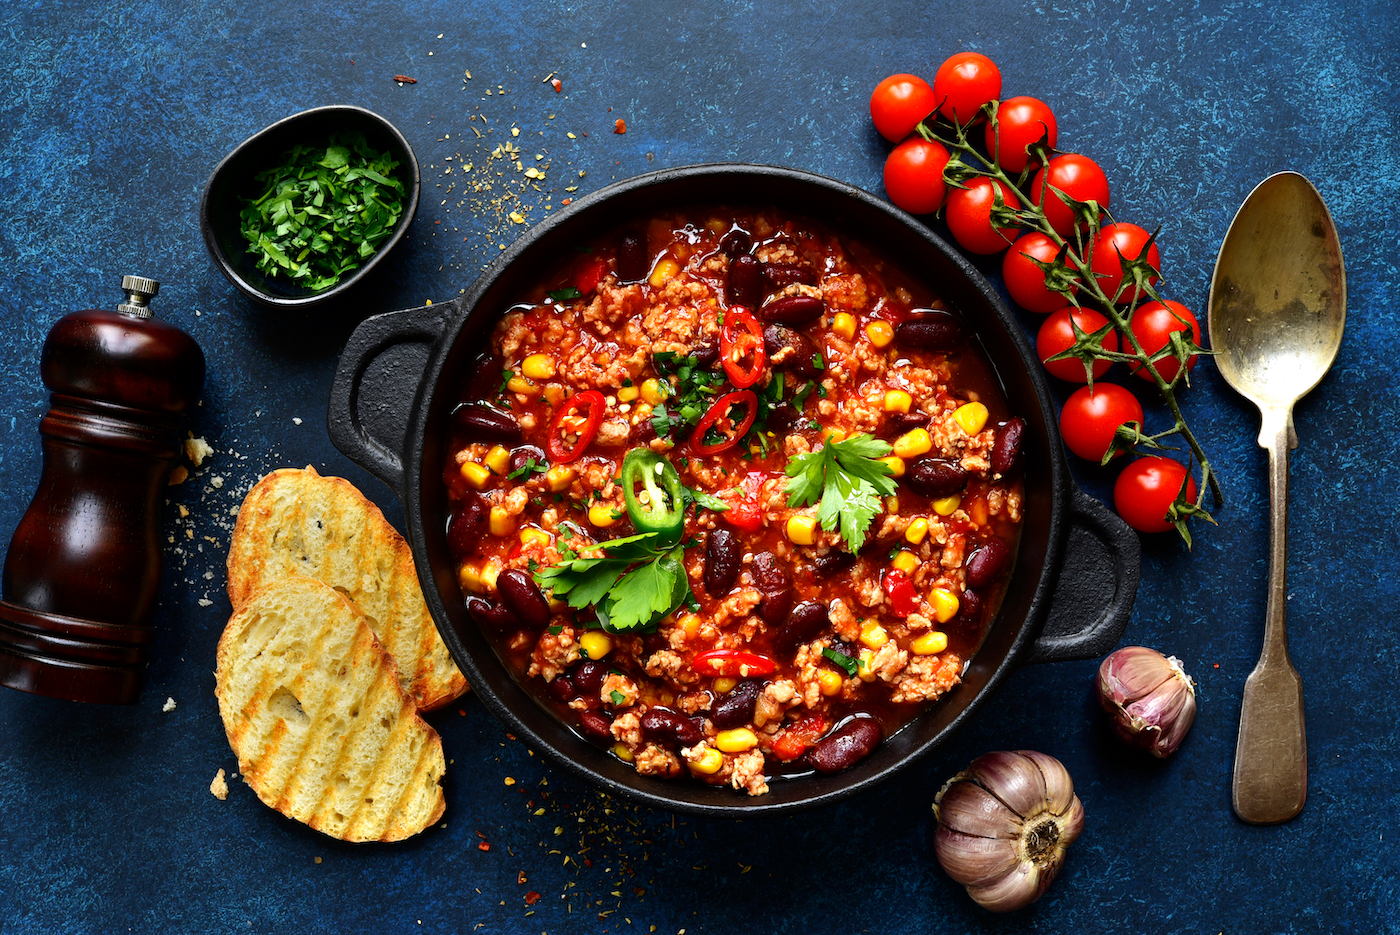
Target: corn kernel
{"x": 475, "y": 474}
{"x": 556, "y": 606}
{"x": 833, "y": 435}
{"x": 892, "y": 504}
{"x": 830, "y": 682}
{"x": 865, "y": 673}
{"x": 880, "y": 333}
{"x": 934, "y": 641}
{"x": 533, "y": 534}
{"x": 802, "y": 529}
{"x": 708, "y": 762}
{"x": 595, "y": 643}
{"x": 653, "y": 394}
{"x": 844, "y": 324}
{"x": 872, "y": 635}
{"x": 519, "y": 384}
{"x": 559, "y": 477}
{"x": 944, "y": 506}
{"x": 898, "y": 401}
{"x": 663, "y": 271}
{"x": 896, "y": 464}
{"x": 913, "y": 443}
{"x": 501, "y": 522}
{"x": 945, "y": 604}
{"x": 626, "y": 394}
{"x": 906, "y": 561}
{"x": 602, "y": 514}
{"x": 690, "y": 625}
{"x": 916, "y": 530}
{"x": 498, "y": 459}
{"x": 724, "y": 684}
{"x": 737, "y": 740}
{"x": 620, "y": 751}
{"x": 469, "y": 577}
{"x": 971, "y": 416}
{"x": 538, "y": 367}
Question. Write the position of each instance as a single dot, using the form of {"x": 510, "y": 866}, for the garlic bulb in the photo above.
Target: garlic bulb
{"x": 1004, "y": 824}
{"x": 1150, "y": 698}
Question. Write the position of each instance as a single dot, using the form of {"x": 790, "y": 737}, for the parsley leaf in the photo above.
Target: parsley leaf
{"x": 852, "y": 666}
{"x": 565, "y": 294}
{"x": 531, "y": 466}
{"x": 702, "y": 499}
{"x": 631, "y": 585}
{"x": 846, "y": 481}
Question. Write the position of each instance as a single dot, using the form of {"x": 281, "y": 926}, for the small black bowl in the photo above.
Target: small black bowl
{"x": 233, "y": 180}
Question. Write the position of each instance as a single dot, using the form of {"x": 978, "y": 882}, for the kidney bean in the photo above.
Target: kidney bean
{"x": 467, "y": 524}
{"x": 768, "y": 573}
{"x": 806, "y": 621}
{"x": 736, "y": 242}
{"x": 801, "y": 356}
{"x": 643, "y": 432}
{"x": 654, "y": 643}
{"x": 987, "y": 561}
{"x": 562, "y": 689}
{"x": 670, "y": 727}
{"x": 782, "y": 416}
{"x": 488, "y": 613}
{"x": 934, "y": 477}
{"x": 969, "y": 609}
{"x": 778, "y": 275}
{"x": 722, "y": 557}
{"x": 736, "y": 708}
{"x": 520, "y": 593}
{"x": 832, "y": 563}
{"x": 846, "y": 746}
{"x": 901, "y": 422}
{"x": 633, "y": 262}
{"x": 519, "y": 456}
{"x": 1006, "y": 451}
{"x": 485, "y": 379}
{"x": 793, "y": 309}
{"x": 596, "y": 724}
{"x": 589, "y": 676}
{"x": 706, "y": 355}
{"x": 745, "y": 282}
{"x": 930, "y": 330}
{"x": 481, "y": 423}
{"x": 773, "y": 606}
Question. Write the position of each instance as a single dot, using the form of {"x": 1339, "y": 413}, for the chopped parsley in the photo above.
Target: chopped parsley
{"x": 852, "y": 666}
{"x": 531, "y": 466}
{"x": 847, "y": 479}
{"x": 694, "y": 390}
{"x": 567, "y": 294}
{"x": 617, "y": 696}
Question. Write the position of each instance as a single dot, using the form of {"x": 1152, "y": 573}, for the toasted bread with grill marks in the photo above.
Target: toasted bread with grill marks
{"x": 298, "y": 522}
{"x": 314, "y": 711}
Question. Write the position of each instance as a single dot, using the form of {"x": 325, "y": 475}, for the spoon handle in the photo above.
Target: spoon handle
{"x": 1271, "y": 756}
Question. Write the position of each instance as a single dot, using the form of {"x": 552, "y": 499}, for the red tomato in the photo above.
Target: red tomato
{"x": 904, "y": 600}
{"x": 970, "y": 215}
{"x": 1026, "y": 281}
{"x": 1152, "y": 325}
{"x": 1091, "y": 416}
{"x": 592, "y": 273}
{"x": 1115, "y": 243}
{"x": 1057, "y": 334}
{"x": 745, "y": 508}
{"x": 963, "y": 84}
{"x": 1078, "y": 177}
{"x": 1021, "y": 121}
{"x": 898, "y": 104}
{"x": 1146, "y": 490}
{"x": 914, "y": 175}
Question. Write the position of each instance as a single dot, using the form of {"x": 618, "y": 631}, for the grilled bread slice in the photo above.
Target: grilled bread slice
{"x": 298, "y": 522}
{"x": 314, "y": 711}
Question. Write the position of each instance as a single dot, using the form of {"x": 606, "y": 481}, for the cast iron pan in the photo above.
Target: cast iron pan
{"x": 401, "y": 374}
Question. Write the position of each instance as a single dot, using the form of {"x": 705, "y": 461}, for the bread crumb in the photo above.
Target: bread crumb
{"x": 168, "y": 706}
{"x": 296, "y": 420}
{"x": 216, "y": 481}
{"x": 184, "y": 511}
{"x": 205, "y": 602}
{"x": 317, "y": 859}
{"x": 179, "y": 475}
{"x": 219, "y": 787}
{"x": 197, "y": 449}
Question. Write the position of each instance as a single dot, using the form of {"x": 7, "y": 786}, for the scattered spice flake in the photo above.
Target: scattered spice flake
{"x": 520, "y": 878}
{"x": 483, "y": 846}
{"x": 620, "y": 126}
{"x": 557, "y": 85}
{"x": 179, "y": 475}
{"x": 404, "y": 79}
{"x": 510, "y": 781}
{"x": 532, "y": 897}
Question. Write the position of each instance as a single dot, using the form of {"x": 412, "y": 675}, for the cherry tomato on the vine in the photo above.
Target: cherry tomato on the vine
{"x": 1146, "y": 490}
{"x": 1057, "y": 334}
{"x": 898, "y": 104}
{"x": 914, "y": 175}
{"x": 1077, "y": 176}
{"x": 1021, "y": 121}
{"x": 1092, "y": 415}
{"x": 1115, "y": 243}
{"x": 964, "y": 83}
{"x": 970, "y": 215}
{"x": 1026, "y": 281}
{"x": 1152, "y": 325}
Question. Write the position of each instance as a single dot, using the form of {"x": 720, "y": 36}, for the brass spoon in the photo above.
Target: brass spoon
{"x": 1277, "y": 308}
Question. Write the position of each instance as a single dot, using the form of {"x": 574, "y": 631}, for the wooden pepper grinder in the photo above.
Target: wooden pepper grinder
{"x": 83, "y": 568}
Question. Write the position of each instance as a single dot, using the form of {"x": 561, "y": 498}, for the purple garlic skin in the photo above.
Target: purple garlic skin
{"x": 1149, "y": 698}
{"x": 1004, "y": 824}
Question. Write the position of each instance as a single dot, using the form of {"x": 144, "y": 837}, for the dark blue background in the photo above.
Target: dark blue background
{"x": 112, "y": 119}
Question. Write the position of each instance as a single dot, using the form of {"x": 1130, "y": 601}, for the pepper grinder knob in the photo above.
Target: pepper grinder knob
{"x": 83, "y": 569}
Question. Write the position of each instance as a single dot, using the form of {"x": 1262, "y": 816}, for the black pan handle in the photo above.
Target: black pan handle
{"x": 1098, "y": 582}
{"x": 376, "y": 383}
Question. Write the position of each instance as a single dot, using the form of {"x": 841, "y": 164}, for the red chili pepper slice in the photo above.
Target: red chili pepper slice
{"x": 795, "y": 740}
{"x": 741, "y": 337}
{"x": 562, "y": 452}
{"x": 745, "y": 506}
{"x": 904, "y": 600}
{"x": 732, "y": 662}
{"x": 717, "y": 418}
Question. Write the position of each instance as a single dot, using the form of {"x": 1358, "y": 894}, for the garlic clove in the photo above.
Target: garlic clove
{"x": 1023, "y": 886}
{"x": 1005, "y": 776}
{"x": 973, "y": 810}
{"x": 1150, "y": 698}
{"x": 973, "y": 860}
{"x": 1059, "y": 789}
